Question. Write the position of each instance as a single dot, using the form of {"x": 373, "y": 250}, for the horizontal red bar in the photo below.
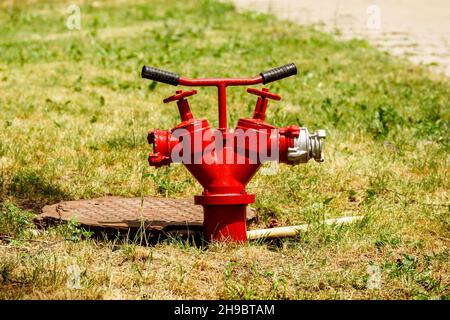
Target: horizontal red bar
{"x": 220, "y": 81}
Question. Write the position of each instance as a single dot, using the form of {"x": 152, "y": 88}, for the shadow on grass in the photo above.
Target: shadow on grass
{"x": 143, "y": 235}
{"x": 177, "y": 235}
{"x": 32, "y": 191}
{"x": 184, "y": 238}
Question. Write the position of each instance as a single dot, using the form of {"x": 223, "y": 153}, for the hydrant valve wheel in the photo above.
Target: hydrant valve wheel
{"x": 180, "y": 94}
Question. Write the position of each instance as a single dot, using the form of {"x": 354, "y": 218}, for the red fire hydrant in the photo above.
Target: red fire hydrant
{"x": 224, "y": 160}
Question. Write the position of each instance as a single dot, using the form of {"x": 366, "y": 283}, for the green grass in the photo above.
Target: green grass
{"x": 73, "y": 124}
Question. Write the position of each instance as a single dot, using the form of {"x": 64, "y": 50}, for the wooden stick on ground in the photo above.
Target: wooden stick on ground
{"x": 292, "y": 231}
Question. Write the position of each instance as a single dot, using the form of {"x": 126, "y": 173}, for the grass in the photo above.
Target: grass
{"x": 73, "y": 122}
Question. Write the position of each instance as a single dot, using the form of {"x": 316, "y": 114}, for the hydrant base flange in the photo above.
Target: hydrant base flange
{"x": 224, "y": 199}
{"x": 224, "y": 216}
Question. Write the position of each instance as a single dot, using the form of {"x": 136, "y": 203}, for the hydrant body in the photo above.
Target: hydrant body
{"x": 223, "y": 160}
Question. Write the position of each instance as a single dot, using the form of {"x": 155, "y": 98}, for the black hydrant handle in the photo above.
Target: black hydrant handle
{"x": 160, "y": 75}
{"x": 279, "y": 73}
{"x": 174, "y": 78}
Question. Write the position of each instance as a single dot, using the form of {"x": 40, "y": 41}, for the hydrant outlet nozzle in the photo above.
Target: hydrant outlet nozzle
{"x": 307, "y": 146}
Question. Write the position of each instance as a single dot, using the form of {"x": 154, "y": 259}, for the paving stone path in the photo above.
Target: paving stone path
{"x": 416, "y": 29}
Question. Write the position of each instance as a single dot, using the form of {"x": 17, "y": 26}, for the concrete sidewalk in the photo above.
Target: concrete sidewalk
{"x": 419, "y": 30}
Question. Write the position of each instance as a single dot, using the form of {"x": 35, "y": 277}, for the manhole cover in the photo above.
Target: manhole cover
{"x": 130, "y": 213}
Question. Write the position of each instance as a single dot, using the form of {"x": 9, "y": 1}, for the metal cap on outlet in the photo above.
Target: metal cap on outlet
{"x": 307, "y": 146}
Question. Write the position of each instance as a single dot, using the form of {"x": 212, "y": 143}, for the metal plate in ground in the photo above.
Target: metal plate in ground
{"x": 130, "y": 213}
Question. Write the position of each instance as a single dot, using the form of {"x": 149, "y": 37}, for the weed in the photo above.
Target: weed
{"x": 74, "y": 232}
{"x": 14, "y": 222}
